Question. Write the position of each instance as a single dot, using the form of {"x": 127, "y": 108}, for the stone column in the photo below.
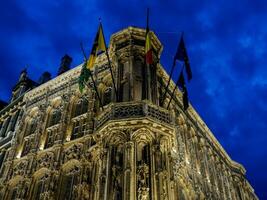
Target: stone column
{"x": 102, "y": 173}
{"x": 4, "y": 127}
{"x": 2, "y": 157}
{"x": 11, "y": 122}
{"x": 108, "y": 168}
{"x": 129, "y": 189}
{"x": 206, "y": 167}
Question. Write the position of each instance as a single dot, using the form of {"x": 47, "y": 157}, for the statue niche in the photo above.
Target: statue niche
{"x": 117, "y": 172}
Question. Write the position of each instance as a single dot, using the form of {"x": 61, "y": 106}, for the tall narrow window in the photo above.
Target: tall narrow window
{"x": 67, "y": 186}
{"x": 79, "y": 122}
{"x": 81, "y": 107}
{"x": 52, "y": 129}
{"x": 55, "y": 117}
{"x": 50, "y": 139}
{"x": 38, "y": 190}
{"x": 31, "y": 127}
{"x": 107, "y": 96}
{"x": 26, "y": 147}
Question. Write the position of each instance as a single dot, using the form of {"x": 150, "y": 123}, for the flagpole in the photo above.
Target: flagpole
{"x": 93, "y": 80}
{"x": 168, "y": 83}
{"x": 169, "y": 80}
{"x": 109, "y": 63}
{"x": 174, "y": 89}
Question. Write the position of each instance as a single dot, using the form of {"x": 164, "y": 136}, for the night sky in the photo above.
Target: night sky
{"x": 226, "y": 43}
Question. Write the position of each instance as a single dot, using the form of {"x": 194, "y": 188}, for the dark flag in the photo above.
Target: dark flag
{"x": 181, "y": 55}
{"x": 181, "y": 82}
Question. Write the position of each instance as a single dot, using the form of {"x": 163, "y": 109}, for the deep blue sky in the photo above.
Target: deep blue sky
{"x": 226, "y": 44}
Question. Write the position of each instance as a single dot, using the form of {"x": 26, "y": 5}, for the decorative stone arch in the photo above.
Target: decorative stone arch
{"x": 143, "y": 135}
{"x": 116, "y": 137}
{"x": 15, "y": 181}
{"x": 55, "y": 103}
{"x": 75, "y": 99}
{"x": 73, "y": 152}
{"x": 53, "y": 116}
{"x": 70, "y": 178}
{"x": 31, "y": 115}
{"x": 40, "y": 183}
{"x": 93, "y": 154}
{"x": 77, "y": 125}
{"x": 165, "y": 143}
{"x": 45, "y": 159}
{"x": 17, "y": 187}
{"x": 70, "y": 165}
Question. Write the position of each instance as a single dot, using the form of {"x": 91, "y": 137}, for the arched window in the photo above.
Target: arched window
{"x": 52, "y": 128}
{"x": 38, "y": 189}
{"x": 116, "y": 172}
{"x": 79, "y": 121}
{"x": 13, "y": 194}
{"x": 26, "y": 146}
{"x": 80, "y": 107}
{"x": 68, "y": 182}
{"x": 107, "y": 96}
{"x": 30, "y": 127}
{"x": 55, "y": 117}
{"x": 41, "y": 180}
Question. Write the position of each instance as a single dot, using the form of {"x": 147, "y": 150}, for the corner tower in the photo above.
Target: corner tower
{"x": 135, "y": 80}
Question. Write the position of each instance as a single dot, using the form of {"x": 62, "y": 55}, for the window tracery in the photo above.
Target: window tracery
{"x": 79, "y": 122}
{"x": 69, "y": 182}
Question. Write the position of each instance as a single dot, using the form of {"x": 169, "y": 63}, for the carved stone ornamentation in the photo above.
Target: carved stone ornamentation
{"x": 130, "y": 148}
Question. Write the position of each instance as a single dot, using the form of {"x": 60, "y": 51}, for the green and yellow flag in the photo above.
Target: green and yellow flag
{"x": 98, "y": 46}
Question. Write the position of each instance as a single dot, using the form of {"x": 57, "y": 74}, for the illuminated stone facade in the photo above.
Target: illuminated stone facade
{"x": 66, "y": 147}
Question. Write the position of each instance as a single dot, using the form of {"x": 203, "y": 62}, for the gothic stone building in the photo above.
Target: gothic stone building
{"x": 65, "y": 146}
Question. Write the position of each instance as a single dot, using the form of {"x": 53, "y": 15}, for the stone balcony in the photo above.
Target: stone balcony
{"x": 133, "y": 110}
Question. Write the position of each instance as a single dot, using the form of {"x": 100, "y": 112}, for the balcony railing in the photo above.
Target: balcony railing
{"x": 126, "y": 110}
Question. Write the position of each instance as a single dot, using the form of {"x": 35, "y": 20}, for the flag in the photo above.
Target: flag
{"x": 181, "y": 84}
{"x": 84, "y": 77}
{"x": 98, "y": 46}
{"x": 181, "y": 55}
{"x": 148, "y": 47}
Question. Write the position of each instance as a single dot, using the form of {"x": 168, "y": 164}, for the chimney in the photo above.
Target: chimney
{"x": 65, "y": 64}
{"x": 46, "y": 76}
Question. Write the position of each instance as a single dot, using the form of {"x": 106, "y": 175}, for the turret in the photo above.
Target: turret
{"x": 46, "y": 76}
{"x": 135, "y": 79}
{"x": 65, "y": 64}
{"x": 24, "y": 84}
